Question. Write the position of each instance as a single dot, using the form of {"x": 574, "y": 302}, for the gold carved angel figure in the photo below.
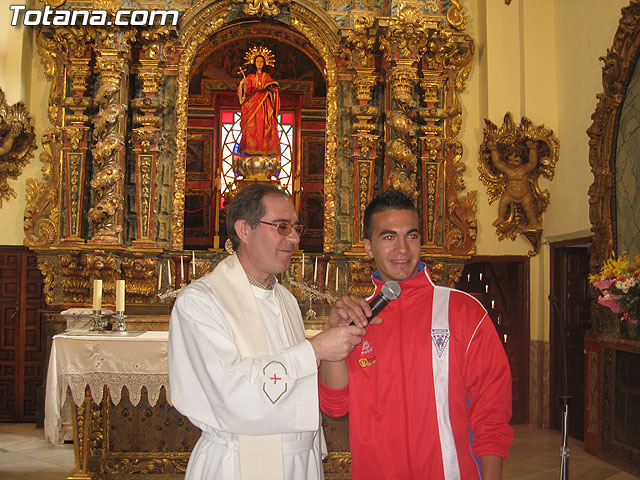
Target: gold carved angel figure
{"x": 17, "y": 143}
{"x": 517, "y": 190}
{"x": 512, "y": 159}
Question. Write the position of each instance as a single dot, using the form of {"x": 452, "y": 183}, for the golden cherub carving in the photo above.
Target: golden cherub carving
{"x": 512, "y": 159}
{"x": 17, "y": 143}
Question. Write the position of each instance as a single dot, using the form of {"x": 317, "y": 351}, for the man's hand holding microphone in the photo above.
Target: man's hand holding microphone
{"x": 347, "y": 321}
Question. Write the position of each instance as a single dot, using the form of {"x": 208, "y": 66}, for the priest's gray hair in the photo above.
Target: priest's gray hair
{"x": 247, "y": 205}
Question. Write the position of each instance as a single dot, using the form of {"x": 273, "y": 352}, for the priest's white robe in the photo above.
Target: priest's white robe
{"x": 231, "y": 396}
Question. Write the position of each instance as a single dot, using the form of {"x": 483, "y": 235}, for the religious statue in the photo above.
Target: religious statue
{"x": 17, "y": 143}
{"x": 517, "y": 189}
{"x": 258, "y": 95}
{"x": 512, "y": 159}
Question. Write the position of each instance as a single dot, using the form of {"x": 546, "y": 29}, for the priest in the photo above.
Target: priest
{"x": 240, "y": 367}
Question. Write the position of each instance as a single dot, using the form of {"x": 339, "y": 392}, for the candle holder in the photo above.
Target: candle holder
{"x": 120, "y": 325}
{"x": 181, "y": 265}
{"x": 312, "y": 293}
{"x": 99, "y": 321}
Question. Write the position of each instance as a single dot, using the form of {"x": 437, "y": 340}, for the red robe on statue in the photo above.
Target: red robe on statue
{"x": 258, "y": 117}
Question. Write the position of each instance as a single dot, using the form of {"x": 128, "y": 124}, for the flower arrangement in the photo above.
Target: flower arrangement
{"x": 619, "y": 284}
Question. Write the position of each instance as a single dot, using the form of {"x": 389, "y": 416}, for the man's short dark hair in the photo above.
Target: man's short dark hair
{"x": 389, "y": 200}
{"x": 247, "y": 205}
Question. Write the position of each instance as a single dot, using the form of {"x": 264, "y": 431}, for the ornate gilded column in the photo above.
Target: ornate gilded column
{"x": 358, "y": 48}
{"x": 432, "y": 138}
{"x": 77, "y": 47}
{"x": 112, "y": 63}
{"x": 147, "y": 131}
{"x": 403, "y": 44}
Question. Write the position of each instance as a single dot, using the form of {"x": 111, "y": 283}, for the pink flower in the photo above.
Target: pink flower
{"x": 608, "y": 301}
{"x": 603, "y": 284}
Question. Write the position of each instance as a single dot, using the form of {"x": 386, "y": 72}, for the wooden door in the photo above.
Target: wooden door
{"x": 570, "y": 287}
{"x": 501, "y": 285}
{"x": 21, "y": 334}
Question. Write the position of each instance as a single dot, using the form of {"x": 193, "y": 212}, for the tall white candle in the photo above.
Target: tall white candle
{"x": 169, "y": 272}
{"x": 337, "y": 276}
{"x": 181, "y": 268}
{"x": 119, "y": 295}
{"x": 302, "y": 265}
{"x": 193, "y": 263}
{"x": 315, "y": 270}
{"x": 97, "y": 294}
{"x": 159, "y": 276}
{"x": 326, "y": 276}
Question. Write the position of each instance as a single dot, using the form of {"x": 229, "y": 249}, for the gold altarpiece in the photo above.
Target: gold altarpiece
{"x": 111, "y": 201}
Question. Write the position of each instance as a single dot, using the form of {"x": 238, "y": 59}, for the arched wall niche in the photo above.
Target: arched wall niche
{"x": 617, "y": 72}
{"x": 202, "y": 23}
{"x": 213, "y": 81}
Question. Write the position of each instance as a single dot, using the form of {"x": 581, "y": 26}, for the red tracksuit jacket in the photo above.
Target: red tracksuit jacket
{"x": 417, "y": 386}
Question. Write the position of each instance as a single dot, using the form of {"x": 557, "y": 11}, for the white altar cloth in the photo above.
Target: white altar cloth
{"x": 117, "y": 361}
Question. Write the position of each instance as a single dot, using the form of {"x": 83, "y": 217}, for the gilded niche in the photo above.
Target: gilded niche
{"x": 17, "y": 143}
{"x": 512, "y": 159}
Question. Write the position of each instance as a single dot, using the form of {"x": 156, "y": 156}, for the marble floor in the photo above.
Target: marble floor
{"x": 534, "y": 455}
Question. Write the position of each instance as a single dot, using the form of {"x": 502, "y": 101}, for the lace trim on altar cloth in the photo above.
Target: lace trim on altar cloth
{"x": 77, "y": 383}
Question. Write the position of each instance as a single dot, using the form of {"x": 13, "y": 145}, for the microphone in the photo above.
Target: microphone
{"x": 390, "y": 291}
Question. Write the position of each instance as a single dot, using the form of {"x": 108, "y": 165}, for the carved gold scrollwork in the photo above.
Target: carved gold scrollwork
{"x": 363, "y": 84}
{"x": 512, "y": 161}
{"x": 270, "y": 8}
{"x": 455, "y": 17}
{"x": 106, "y": 214}
{"x": 361, "y": 42}
{"x": 360, "y": 273}
{"x": 17, "y": 143}
{"x": 402, "y": 80}
{"x": 408, "y": 32}
{"x": 41, "y": 214}
{"x": 47, "y": 270}
{"x": 431, "y": 84}
{"x": 140, "y": 276}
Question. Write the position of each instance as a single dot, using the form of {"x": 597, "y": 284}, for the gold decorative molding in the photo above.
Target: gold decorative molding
{"x": 17, "y": 143}
{"x": 359, "y": 44}
{"x": 41, "y": 213}
{"x": 48, "y": 272}
{"x": 408, "y": 33}
{"x": 512, "y": 159}
{"x": 455, "y": 17}
{"x": 210, "y": 21}
{"x": 269, "y": 8}
{"x": 141, "y": 278}
{"x": 325, "y": 44}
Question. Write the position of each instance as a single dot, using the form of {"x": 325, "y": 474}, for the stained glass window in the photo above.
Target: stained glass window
{"x": 230, "y": 129}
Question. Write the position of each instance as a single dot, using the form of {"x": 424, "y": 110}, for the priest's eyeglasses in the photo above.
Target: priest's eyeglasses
{"x": 285, "y": 228}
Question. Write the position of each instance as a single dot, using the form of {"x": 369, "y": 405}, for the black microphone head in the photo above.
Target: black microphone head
{"x": 391, "y": 290}
{"x": 552, "y": 298}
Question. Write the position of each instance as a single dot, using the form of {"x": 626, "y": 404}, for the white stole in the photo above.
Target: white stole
{"x": 260, "y": 455}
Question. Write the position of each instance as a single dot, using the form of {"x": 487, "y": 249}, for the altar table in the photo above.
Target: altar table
{"x": 133, "y": 432}
{"x": 95, "y": 368}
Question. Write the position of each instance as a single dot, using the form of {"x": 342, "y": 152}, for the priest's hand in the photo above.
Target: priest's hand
{"x": 335, "y": 344}
{"x": 351, "y": 309}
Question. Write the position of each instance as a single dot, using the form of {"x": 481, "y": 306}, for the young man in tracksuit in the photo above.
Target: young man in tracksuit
{"x": 427, "y": 378}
